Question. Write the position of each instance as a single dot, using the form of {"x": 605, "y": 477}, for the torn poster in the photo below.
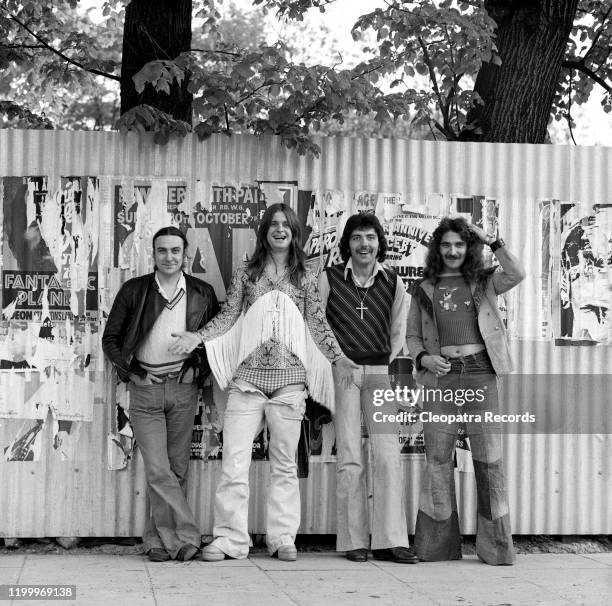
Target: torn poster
{"x": 225, "y": 235}
{"x": 50, "y": 247}
{"x": 325, "y": 214}
{"x": 220, "y": 225}
{"x": 27, "y": 446}
{"x": 206, "y": 440}
{"x": 582, "y": 273}
{"x": 531, "y": 300}
{"x": 408, "y": 236}
{"x": 120, "y": 440}
{"x": 365, "y": 202}
{"x": 65, "y": 437}
{"x": 141, "y": 207}
{"x": 463, "y": 452}
{"x": 43, "y": 365}
{"x": 31, "y": 395}
{"x": 388, "y": 206}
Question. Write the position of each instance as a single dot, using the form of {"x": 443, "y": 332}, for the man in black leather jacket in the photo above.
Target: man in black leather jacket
{"x": 139, "y": 339}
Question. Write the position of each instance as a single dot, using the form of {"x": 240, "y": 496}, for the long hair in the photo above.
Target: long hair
{"x": 297, "y": 257}
{"x": 473, "y": 268}
{"x": 363, "y": 221}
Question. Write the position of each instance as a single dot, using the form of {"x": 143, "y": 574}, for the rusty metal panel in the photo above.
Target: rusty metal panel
{"x": 558, "y": 484}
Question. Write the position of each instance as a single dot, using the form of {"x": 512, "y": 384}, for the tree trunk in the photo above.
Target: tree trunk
{"x": 518, "y": 94}
{"x": 156, "y": 30}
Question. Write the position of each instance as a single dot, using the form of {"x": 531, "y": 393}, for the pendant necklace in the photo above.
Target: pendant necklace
{"x": 361, "y": 307}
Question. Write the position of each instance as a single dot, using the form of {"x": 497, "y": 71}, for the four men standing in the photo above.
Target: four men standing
{"x": 272, "y": 342}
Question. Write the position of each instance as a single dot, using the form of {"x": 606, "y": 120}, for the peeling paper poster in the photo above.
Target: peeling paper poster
{"x": 220, "y": 221}
{"x": 69, "y": 395}
{"x": 65, "y": 437}
{"x": 27, "y": 445}
{"x": 120, "y": 440}
{"x": 140, "y": 208}
{"x": 43, "y": 365}
{"x": 582, "y": 266}
{"x": 324, "y": 213}
{"x": 50, "y": 247}
{"x": 206, "y": 441}
{"x": 408, "y": 236}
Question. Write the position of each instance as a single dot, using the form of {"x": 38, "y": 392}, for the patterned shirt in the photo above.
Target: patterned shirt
{"x": 272, "y": 364}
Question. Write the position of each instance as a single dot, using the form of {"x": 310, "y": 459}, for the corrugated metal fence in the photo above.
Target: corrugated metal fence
{"x": 558, "y": 483}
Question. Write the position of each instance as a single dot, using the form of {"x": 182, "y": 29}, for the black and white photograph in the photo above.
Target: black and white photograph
{"x": 306, "y": 302}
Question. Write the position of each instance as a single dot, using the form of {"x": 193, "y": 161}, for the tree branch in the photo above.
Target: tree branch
{"x": 579, "y": 66}
{"x": 247, "y": 96}
{"x": 22, "y": 46}
{"x": 434, "y": 83}
{"x": 568, "y": 116}
{"x": 46, "y": 45}
{"x": 210, "y": 50}
{"x": 227, "y": 125}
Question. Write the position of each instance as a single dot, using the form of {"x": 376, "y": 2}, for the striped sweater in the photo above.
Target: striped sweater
{"x": 367, "y": 340}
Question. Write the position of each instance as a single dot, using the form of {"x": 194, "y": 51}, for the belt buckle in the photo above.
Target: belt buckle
{"x": 167, "y": 378}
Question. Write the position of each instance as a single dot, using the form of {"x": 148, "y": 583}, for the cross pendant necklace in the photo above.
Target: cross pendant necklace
{"x": 361, "y": 307}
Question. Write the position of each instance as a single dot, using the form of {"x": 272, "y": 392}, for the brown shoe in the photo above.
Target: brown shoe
{"x": 401, "y": 555}
{"x": 357, "y": 555}
{"x": 158, "y": 554}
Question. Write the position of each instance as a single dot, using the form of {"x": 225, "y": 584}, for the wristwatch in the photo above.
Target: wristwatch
{"x": 497, "y": 244}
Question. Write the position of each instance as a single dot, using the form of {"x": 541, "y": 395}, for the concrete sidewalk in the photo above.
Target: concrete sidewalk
{"x": 316, "y": 579}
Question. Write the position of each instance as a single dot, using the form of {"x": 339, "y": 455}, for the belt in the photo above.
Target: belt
{"x": 480, "y": 355}
{"x": 168, "y": 378}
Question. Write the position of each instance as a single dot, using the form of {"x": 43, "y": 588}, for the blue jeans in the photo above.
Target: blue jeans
{"x": 437, "y": 528}
{"x": 162, "y": 419}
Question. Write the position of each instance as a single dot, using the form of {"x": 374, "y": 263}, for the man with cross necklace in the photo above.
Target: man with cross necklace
{"x": 365, "y": 305}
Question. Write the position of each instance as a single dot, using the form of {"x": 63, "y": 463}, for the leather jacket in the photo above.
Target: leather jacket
{"x": 135, "y": 309}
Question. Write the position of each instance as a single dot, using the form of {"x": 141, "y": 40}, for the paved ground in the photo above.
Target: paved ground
{"x": 316, "y": 579}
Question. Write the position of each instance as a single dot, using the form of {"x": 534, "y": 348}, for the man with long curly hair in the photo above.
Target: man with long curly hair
{"x": 366, "y": 308}
{"x": 269, "y": 345}
{"x": 458, "y": 342}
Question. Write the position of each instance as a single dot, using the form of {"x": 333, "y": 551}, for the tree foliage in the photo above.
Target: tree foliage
{"x": 57, "y": 65}
{"x": 455, "y": 69}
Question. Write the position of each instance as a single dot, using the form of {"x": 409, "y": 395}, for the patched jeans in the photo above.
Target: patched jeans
{"x": 437, "y": 535}
{"x": 162, "y": 417}
{"x": 247, "y": 407}
{"x": 388, "y": 523}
